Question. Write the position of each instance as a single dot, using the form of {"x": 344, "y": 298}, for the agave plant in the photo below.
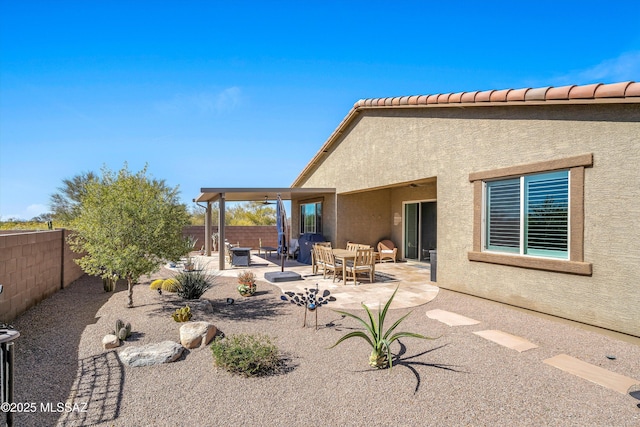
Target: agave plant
{"x": 379, "y": 340}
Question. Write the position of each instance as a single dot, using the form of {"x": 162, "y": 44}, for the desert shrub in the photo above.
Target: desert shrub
{"x": 247, "y": 355}
{"x": 191, "y": 285}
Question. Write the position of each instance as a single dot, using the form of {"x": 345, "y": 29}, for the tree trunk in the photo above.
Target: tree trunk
{"x": 130, "y": 294}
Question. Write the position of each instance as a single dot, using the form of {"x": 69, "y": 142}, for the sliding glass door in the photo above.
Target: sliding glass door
{"x": 420, "y": 234}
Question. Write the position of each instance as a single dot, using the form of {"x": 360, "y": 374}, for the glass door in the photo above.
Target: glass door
{"x": 411, "y": 230}
{"x": 420, "y": 221}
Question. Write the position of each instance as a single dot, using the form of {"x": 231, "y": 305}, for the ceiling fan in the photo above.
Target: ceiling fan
{"x": 267, "y": 202}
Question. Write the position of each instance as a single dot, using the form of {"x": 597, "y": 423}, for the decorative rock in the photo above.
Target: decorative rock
{"x": 151, "y": 354}
{"x": 197, "y": 334}
{"x": 110, "y": 341}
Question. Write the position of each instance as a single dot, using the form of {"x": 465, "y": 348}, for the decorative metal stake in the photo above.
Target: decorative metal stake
{"x": 310, "y": 300}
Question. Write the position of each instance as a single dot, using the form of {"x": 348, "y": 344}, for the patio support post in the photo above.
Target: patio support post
{"x": 207, "y": 230}
{"x": 222, "y": 248}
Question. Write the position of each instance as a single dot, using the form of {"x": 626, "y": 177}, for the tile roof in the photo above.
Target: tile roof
{"x": 622, "y": 92}
{"x": 564, "y": 93}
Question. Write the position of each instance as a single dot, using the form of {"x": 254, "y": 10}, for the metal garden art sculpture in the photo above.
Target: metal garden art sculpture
{"x": 310, "y": 300}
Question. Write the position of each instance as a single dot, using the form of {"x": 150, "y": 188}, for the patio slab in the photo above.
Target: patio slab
{"x": 592, "y": 373}
{"x": 507, "y": 340}
{"x": 451, "y": 319}
{"x": 412, "y": 281}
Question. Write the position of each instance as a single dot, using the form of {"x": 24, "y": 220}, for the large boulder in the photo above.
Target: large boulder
{"x": 110, "y": 341}
{"x": 151, "y": 354}
{"x": 197, "y": 334}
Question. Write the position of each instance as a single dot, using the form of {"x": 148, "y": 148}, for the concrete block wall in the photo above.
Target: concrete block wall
{"x": 33, "y": 265}
{"x": 247, "y": 236}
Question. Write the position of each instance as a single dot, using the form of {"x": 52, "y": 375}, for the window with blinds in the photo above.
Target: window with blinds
{"x": 528, "y": 215}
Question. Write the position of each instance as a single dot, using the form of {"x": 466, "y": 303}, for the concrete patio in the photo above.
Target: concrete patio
{"x": 411, "y": 279}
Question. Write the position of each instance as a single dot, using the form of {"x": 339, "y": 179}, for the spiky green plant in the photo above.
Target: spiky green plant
{"x": 379, "y": 339}
{"x": 191, "y": 285}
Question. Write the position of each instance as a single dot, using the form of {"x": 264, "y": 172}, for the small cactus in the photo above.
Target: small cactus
{"x": 170, "y": 285}
{"x": 122, "y": 334}
{"x": 182, "y": 314}
{"x": 123, "y": 331}
{"x": 156, "y": 284}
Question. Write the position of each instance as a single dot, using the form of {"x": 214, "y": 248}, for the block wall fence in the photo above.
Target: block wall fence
{"x": 246, "y": 236}
{"x": 36, "y": 264}
{"x": 33, "y": 265}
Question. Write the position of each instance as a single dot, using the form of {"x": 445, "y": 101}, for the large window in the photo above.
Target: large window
{"x": 528, "y": 215}
{"x": 311, "y": 218}
{"x": 532, "y": 215}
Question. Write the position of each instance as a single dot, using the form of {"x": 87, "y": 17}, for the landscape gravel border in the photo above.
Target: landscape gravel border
{"x": 457, "y": 379}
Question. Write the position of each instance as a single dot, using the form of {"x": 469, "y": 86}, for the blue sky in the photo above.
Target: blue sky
{"x": 240, "y": 93}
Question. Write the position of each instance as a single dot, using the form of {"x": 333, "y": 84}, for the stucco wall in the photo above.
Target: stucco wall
{"x": 328, "y": 215}
{"x": 385, "y": 147}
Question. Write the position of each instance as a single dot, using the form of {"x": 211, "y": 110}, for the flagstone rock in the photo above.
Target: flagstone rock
{"x": 110, "y": 341}
{"x": 151, "y": 354}
{"x": 197, "y": 334}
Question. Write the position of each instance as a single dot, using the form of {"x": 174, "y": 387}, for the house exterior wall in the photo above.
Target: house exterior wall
{"x": 384, "y": 147}
{"x": 328, "y": 215}
{"x": 357, "y": 212}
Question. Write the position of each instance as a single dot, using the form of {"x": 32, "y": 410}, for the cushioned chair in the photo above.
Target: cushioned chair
{"x": 387, "y": 250}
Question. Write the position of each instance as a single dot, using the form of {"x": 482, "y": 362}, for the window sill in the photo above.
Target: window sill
{"x": 560, "y": 266}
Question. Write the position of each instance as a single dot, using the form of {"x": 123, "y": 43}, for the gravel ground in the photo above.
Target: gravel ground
{"x": 457, "y": 379}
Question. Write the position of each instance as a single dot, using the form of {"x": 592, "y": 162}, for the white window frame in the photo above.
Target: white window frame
{"x": 522, "y": 249}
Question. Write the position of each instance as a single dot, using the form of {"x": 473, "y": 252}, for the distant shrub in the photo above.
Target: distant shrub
{"x": 247, "y": 355}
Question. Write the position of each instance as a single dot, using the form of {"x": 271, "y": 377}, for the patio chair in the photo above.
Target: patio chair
{"x": 316, "y": 259}
{"x": 352, "y": 246}
{"x": 364, "y": 263}
{"x": 329, "y": 262}
{"x": 387, "y": 250}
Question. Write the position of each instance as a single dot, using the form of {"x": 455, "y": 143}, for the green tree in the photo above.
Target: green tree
{"x": 251, "y": 213}
{"x": 128, "y": 225}
{"x": 66, "y": 202}
{"x": 198, "y": 213}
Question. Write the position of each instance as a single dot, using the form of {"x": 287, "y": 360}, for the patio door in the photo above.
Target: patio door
{"x": 420, "y": 234}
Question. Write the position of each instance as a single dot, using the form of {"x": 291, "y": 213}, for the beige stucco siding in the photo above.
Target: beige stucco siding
{"x": 383, "y": 148}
